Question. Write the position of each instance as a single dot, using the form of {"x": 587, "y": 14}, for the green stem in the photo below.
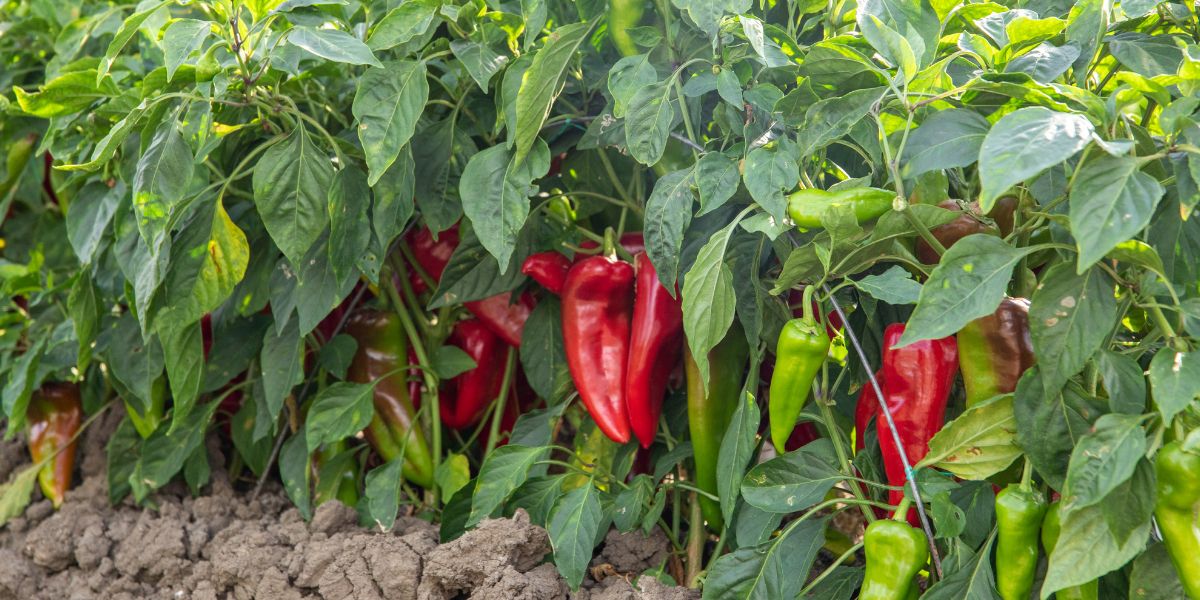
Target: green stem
{"x": 498, "y": 415}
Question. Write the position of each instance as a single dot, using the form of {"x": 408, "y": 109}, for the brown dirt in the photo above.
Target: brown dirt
{"x": 225, "y": 546}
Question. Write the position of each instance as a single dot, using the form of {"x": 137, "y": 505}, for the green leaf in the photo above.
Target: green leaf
{"x": 474, "y": 274}
{"x": 1111, "y": 201}
{"x": 542, "y": 83}
{"x": 538, "y": 497}
{"x": 1070, "y": 316}
{"x": 717, "y": 179}
{"x": 631, "y": 503}
{"x": 449, "y": 362}
{"x": 1104, "y": 459}
{"x": 648, "y": 120}
{"x": 337, "y": 354}
{"x": 668, "y": 215}
{"x": 495, "y": 189}
{"x": 280, "y": 364}
{"x": 503, "y": 471}
{"x": 729, "y": 88}
{"x": 969, "y": 283}
{"x": 1124, "y": 380}
{"x": 333, "y": 45}
{"x": 979, "y": 443}
{"x": 1049, "y": 425}
{"x": 626, "y": 77}
{"x": 161, "y": 183}
{"x": 383, "y": 493}
{"x": 1149, "y": 55}
{"x": 478, "y": 58}
{"x": 1175, "y": 381}
{"x": 183, "y": 350}
{"x": 394, "y": 200}
{"x": 792, "y": 482}
{"x": 296, "y": 472}
{"x": 708, "y": 299}
{"x": 894, "y": 286}
{"x": 737, "y": 449}
{"x": 1024, "y": 143}
{"x": 128, "y": 29}
{"x": 403, "y": 23}
{"x": 64, "y": 95}
{"x": 107, "y": 146}
{"x": 291, "y": 183}
{"x": 181, "y": 39}
{"x": 22, "y": 378}
{"x": 387, "y": 103}
{"x": 17, "y": 492}
{"x": 349, "y": 227}
{"x": 833, "y": 118}
{"x": 452, "y": 474}
{"x": 914, "y": 20}
{"x": 83, "y": 305}
{"x": 574, "y": 530}
{"x": 947, "y": 139}
{"x": 339, "y": 411}
{"x": 971, "y": 581}
{"x": 769, "y": 570}
{"x": 1154, "y": 576}
{"x": 91, "y": 212}
{"x": 208, "y": 259}
{"x": 1086, "y": 25}
{"x": 134, "y": 361}
{"x": 543, "y": 354}
{"x": 891, "y": 46}
{"x": 1086, "y": 550}
{"x": 255, "y": 452}
{"x": 163, "y": 453}
{"x": 1045, "y": 63}
{"x": 768, "y": 174}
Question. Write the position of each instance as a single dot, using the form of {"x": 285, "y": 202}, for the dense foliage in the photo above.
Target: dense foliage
{"x": 207, "y": 202}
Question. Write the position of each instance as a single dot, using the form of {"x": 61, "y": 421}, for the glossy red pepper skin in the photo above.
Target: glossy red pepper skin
{"x": 655, "y": 347}
{"x": 917, "y": 379}
{"x": 504, "y": 317}
{"x": 54, "y": 416}
{"x": 432, "y": 255}
{"x": 868, "y": 405}
{"x": 597, "y": 311}
{"x": 468, "y": 395}
{"x": 804, "y": 434}
{"x": 549, "y": 269}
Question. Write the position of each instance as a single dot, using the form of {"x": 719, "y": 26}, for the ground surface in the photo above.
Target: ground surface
{"x": 225, "y": 545}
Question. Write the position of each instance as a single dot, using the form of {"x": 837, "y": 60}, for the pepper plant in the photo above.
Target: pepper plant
{"x": 744, "y": 272}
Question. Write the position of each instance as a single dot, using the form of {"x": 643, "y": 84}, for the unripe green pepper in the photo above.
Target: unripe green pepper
{"x": 624, "y": 15}
{"x": 1051, "y": 527}
{"x": 799, "y": 354}
{"x": 1178, "y": 478}
{"x": 1019, "y": 513}
{"x": 709, "y": 411}
{"x": 806, "y": 206}
{"x": 895, "y": 553}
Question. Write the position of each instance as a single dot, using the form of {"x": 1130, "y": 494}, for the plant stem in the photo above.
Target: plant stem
{"x": 498, "y": 415}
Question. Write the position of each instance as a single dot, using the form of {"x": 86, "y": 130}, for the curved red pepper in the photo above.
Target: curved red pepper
{"x": 597, "y": 308}
{"x": 432, "y": 255}
{"x": 868, "y": 405}
{"x": 468, "y": 395}
{"x": 917, "y": 379}
{"x": 655, "y": 347}
{"x": 503, "y": 316}
{"x": 549, "y": 269}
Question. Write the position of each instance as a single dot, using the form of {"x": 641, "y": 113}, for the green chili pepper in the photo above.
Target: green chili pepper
{"x": 1178, "y": 475}
{"x": 709, "y": 411}
{"x": 1051, "y": 526}
{"x": 806, "y": 206}
{"x": 800, "y": 352}
{"x": 1019, "y": 512}
{"x": 624, "y": 15}
{"x": 895, "y": 553}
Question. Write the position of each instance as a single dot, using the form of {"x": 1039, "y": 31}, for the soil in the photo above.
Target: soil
{"x": 227, "y": 546}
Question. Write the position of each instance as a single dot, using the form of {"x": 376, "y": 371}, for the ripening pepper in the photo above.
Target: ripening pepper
{"x": 709, "y": 411}
{"x": 807, "y": 205}
{"x": 464, "y": 398}
{"x": 1175, "y": 508}
{"x": 549, "y": 269}
{"x": 994, "y": 351}
{"x": 597, "y": 310}
{"x": 967, "y": 223}
{"x": 382, "y": 350}
{"x": 655, "y": 345}
{"x": 799, "y": 354}
{"x": 54, "y": 417}
{"x": 1019, "y": 514}
{"x": 1051, "y": 527}
{"x": 917, "y": 379}
{"x": 895, "y": 552}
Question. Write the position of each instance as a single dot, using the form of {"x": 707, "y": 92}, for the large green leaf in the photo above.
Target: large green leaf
{"x": 388, "y": 101}
{"x": 495, "y": 189}
{"x": 1111, "y": 201}
{"x": 668, "y": 215}
{"x": 542, "y": 83}
{"x": 291, "y": 183}
{"x": 334, "y": 45}
{"x": 947, "y": 139}
{"x": 574, "y": 530}
{"x": 792, "y": 482}
{"x": 340, "y": 410}
{"x": 1070, "y": 316}
{"x": 769, "y": 571}
{"x": 1024, "y": 143}
{"x": 160, "y": 183}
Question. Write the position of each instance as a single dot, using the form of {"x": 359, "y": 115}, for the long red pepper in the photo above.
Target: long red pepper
{"x": 655, "y": 347}
{"x": 468, "y": 395}
{"x": 917, "y": 379}
{"x": 597, "y": 307}
{"x": 868, "y": 405}
{"x": 549, "y": 269}
{"x": 54, "y": 417}
{"x": 432, "y": 255}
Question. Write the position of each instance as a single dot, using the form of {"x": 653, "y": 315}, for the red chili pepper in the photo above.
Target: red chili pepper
{"x": 868, "y": 405}
{"x": 468, "y": 395}
{"x": 597, "y": 308}
{"x": 549, "y": 269}
{"x": 54, "y": 417}
{"x": 432, "y": 255}
{"x": 804, "y": 434}
{"x": 503, "y": 316}
{"x": 918, "y": 378}
{"x": 655, "y": 347}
